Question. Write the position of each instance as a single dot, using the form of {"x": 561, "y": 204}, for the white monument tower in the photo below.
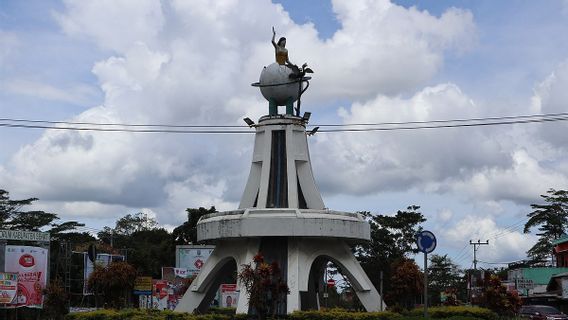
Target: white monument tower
{"x": 281, "y": 212}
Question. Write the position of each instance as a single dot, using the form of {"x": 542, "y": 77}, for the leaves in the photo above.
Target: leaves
{"x": 187, "y": 232}
{"x": 264, "y": 285}
{"x": 551, "y": 219}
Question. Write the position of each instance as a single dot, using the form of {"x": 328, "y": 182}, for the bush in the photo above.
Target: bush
{"x": 447, "y": 313}
{"x": 461, "y": 311}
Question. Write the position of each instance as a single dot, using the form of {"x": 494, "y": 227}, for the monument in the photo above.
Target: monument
{"x": 281, "y": 213}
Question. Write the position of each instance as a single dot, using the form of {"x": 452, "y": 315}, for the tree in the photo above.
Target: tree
{"x": 407, "y": 284}
{"x": 551, "y": 219}
{"x": 56, "y": 304}
{"x": 148, "y": 247}
{"x": 392, "y": 239}
{"x": 444, "y": 275}
{"x": 187, "y": 232}
{"x": 496, "y": 298}
{"x": 114, "y": 283}
{"x": 264, "y": 285}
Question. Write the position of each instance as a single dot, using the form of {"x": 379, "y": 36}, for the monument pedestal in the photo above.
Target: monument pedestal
{"x": 282, "y": 215}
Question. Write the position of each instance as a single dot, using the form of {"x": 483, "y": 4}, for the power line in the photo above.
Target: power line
{"x": 206, "y": 129}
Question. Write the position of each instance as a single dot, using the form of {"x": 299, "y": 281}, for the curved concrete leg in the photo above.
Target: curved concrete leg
{"x": 301, "y": 255}
{"x": 203, "y": 288}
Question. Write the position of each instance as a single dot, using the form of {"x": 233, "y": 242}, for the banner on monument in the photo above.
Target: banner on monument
{"x": 229, "y": 295}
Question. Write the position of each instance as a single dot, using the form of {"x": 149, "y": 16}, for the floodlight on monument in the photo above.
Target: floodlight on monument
{"x": 306, "y": 116}
{"x": 249, "y": 122}
{"x": 313, "y": 131}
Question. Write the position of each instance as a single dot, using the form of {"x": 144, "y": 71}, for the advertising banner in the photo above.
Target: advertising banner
{"x": 8, "y": 287}
{"x": 192, "y": 257}
{"x": 143, "y": 286}
{"x": 31, "y": 265}
{"x": 229, "y": 295}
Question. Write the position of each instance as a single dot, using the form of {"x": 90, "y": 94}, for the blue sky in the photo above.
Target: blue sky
{"x": 374, "y": 61}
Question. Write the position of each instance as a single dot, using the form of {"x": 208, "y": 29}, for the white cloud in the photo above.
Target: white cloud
{"x": 398, "y": 160}
{"x": 505, "y": 244}
{"x": 8, "y": 42}
{"x": 184, "y": 62}
{"x": 77, "y": 94}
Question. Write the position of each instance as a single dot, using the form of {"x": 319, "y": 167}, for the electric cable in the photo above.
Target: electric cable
{"x": 207, "y": 129}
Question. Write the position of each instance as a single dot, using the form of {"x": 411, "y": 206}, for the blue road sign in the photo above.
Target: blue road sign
{"x": 426, "y": 241}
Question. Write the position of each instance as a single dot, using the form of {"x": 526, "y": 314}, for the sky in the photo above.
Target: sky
{"x": 192, "y": 63}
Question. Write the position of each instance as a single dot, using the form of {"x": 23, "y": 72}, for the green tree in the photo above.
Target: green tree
{"x": 392, "y": 239}
{"x": 187, "y": 232}
{"x": 147, "y": 246}
{"x": 443, "y": 275}
{"x": 551, "y": 218}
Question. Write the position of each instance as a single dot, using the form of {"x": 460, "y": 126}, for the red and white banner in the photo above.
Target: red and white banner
{"x": 229, "y": 295}
{"x": 31, "y": 265}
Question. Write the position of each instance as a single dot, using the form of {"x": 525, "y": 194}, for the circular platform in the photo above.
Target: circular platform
{"x": 283, "y": 222}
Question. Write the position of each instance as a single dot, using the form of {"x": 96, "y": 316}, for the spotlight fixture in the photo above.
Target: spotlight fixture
{"x": 306, "y": 116}
{"x": 313, "y": 131}
{"x": 249, "y": 122}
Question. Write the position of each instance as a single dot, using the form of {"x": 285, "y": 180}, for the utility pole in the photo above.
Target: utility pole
{"x": 475, "y": 245}
{"x": 475, "y": 248}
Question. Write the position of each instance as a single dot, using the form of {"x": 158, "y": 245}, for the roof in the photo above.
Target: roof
{"x": 560, "y": 240}
{"x": 542, "y": 275}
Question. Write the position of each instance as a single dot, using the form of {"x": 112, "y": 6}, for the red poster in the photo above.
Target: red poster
{"x": 31, "y": 265}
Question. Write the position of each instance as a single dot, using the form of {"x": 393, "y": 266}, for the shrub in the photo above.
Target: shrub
{"x": 461, "y": 311}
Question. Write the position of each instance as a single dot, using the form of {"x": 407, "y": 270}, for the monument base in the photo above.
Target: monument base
{"x": 303, "y": 262}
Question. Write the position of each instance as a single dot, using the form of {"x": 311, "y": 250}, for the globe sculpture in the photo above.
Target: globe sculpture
{"x": 281, "y": 213}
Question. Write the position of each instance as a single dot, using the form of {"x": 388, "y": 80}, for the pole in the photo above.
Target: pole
{"x": 381, "y": 289}
{"x": 473, "y": 275}
{"x": 425, "y": 285}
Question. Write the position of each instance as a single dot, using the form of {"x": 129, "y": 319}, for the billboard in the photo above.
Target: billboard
{"x": 8, "y": 287}
{"x": 31, "y": 265}
{"x": 192, "y": 257}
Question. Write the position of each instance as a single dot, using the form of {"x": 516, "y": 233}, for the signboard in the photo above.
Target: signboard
{"x": 31, "y": 265}
{"x": 426, "y": 241}
{"x": 143, "y": 286}
{"x": 24, "y": 235}
{"x": 8, "y": 287}
{"x": 330, "y": 283}
{"x": 524, "y": 283}
{"x": 229, "y": 295}
{"x": 192, "y": 257}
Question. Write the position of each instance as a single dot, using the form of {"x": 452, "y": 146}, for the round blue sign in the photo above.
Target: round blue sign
{"x": 426, "y": 241}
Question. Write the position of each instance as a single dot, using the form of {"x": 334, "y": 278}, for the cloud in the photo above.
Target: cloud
{"x": 77, "y": 94}
{"x": 505, "y": 244}
{"x": 183, "y": 62}
{"x": 8, "y": 42}
{"x": 431, "y": 160}
{"x": 551, "y": 97}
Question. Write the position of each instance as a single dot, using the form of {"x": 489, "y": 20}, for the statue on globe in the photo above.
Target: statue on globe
{"x": 282, "y": 83}
{"x": 283, "y": 60}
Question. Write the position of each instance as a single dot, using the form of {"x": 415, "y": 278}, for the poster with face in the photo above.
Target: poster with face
{"x": 229, "y": 295}
{"x": 30, "y": 263}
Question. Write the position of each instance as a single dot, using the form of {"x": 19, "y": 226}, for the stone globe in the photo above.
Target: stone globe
{"x": 276, "y": 84}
